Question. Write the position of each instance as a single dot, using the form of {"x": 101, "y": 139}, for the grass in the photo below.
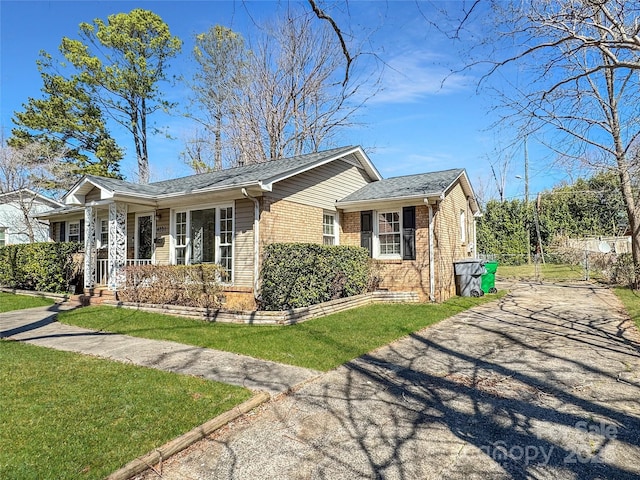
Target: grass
{"x": 70, "y": 416}
{"x": 11, "y": 301}
{"x": 631, "y": 301}
{"x": 321, "y": 344}
{"x": 548, "y": 271}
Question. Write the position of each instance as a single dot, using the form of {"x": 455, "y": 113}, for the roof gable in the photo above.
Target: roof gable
{"x": 28, "y": 193}
{"x": 423, "y": 185}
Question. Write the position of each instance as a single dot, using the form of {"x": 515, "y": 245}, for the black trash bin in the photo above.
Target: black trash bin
{"x": 469, "y": 277}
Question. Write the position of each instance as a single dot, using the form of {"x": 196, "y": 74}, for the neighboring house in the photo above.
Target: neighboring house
{"x": 416, "y": 225}
{"x": 17, "y": 217}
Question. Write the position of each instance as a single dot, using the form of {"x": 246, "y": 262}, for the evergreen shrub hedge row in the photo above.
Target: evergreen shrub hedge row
{"x": 45, "y": 267}
{"x": 300, "y": 274}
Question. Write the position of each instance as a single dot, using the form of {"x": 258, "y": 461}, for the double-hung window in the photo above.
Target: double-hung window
{"x": 104, "y": 233}
{"x": 329, "y": 229}
{"x": 74, "y": 232}
{"x": 389, "y": 234}
{"x": 226, "y": 240}
{"x": 204, "y": 235}
{"x": 181, "y": 238}
{"x": 3, "y": 236}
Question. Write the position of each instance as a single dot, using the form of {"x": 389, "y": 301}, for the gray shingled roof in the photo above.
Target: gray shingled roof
{"x": 223, "y": 178}
{"x": 423, "y": 184}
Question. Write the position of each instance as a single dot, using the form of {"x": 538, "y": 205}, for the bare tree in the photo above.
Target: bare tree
{"x": 221, "y": 55}
{"x": 200, "y": 152}
{"x": 289, "y": 97}
{"x": 24, "y": 173}
{"x": 572, "y": 68}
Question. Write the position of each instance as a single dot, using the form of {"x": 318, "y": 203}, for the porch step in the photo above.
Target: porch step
{"x": 96, "y": 296}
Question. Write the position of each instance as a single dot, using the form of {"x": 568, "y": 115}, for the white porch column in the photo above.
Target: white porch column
{"x": 117, "y": 244}
{"x": 89, "y": 247}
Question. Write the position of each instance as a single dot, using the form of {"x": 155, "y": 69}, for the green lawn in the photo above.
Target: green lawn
{"x": 322, "y": 343}
{"x": 70, "y": 416}
{"x": 11, "y": 301}
{"x": 631, "y": 301}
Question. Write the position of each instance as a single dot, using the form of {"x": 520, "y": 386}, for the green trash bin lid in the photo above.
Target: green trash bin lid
{"x": 491, "y": 267}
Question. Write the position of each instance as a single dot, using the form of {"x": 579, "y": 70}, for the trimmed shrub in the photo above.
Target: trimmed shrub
{"x": 184, "y": 285}
{"x": 45, "y": 267}
{"x": 622, "y": 272}
{"x": 300, "y": 274}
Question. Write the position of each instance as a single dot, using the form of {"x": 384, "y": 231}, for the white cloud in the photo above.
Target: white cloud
{"x": 414, "y": 75}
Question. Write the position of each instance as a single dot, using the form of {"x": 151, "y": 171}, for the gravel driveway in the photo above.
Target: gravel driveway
{"x": 544, "y": 384}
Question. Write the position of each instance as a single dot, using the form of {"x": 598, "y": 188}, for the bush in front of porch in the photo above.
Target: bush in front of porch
{"x": 185, "y": 285}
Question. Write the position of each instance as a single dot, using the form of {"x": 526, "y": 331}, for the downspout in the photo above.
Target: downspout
{"x": 475, "y": 239}
{"x": 256, "y": 240}
{"x": 432, "y": 280}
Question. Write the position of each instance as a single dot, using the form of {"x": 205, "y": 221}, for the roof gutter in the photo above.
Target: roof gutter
{"x": 256, "y": 241}
{"x": 357, "y": 203}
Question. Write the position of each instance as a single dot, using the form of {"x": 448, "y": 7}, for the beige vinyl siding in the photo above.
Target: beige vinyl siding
{"x": 54, "y": 231}
{"x": 93, "y": 195}
{"x": 322, "y": 186}
{"x": 243, "y": 246}
{"x": 163, "y": 247}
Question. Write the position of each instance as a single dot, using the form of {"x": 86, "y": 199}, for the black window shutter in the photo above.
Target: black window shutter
{"x": 81, "y": 231}
{"x": 366, "y": 230}
{"x": 409, "y": 233}
{"x": 63, "y": 232}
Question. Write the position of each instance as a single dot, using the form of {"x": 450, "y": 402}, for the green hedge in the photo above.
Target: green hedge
{"x": 299, "y": 274}
{"x": 45, "y": 267}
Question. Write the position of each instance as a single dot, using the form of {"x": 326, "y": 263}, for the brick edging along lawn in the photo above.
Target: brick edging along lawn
{"x": 282, "y": 317}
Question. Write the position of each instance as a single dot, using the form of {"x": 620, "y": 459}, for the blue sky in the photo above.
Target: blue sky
{"x": 413, "y": 125}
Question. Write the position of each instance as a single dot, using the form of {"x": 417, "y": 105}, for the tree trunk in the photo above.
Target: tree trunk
{"x": 634, "y": 223}
{"x": 633, "y": 217}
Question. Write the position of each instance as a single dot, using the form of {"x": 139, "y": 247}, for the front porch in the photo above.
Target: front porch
{"x": 102, "y": 269}
{"x": 118, "y": 235}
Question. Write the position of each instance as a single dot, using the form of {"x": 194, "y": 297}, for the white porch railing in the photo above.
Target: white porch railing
{"x": 102, "y": 270}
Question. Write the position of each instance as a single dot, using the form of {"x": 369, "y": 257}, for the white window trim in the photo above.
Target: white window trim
{"x": 217, "y": 207}
{"x": 173, "y": 244}
{"x": 99, "y": 232}
{"x": 463, "y": 227}
{"x": 5, "y": 235}
{"x": 153, "y": 230}
{"x": 336, "y": 226}
{"x": 376, "y": 236}
{"x": 68, "y": 230}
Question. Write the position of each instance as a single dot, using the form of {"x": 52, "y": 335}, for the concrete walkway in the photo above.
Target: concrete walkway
{"x": 544, "y": 384}
{"x": 38, "y": 326}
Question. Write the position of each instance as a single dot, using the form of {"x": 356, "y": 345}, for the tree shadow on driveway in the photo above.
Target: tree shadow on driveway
{"x": 542, "y": 385}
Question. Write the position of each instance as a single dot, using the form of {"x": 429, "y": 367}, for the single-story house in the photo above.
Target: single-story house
{"x": 18, "y": 210}
{"x": 415, "y": 225}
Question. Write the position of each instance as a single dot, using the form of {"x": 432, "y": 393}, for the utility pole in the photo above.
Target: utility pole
{"x": 526, "y": 198}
